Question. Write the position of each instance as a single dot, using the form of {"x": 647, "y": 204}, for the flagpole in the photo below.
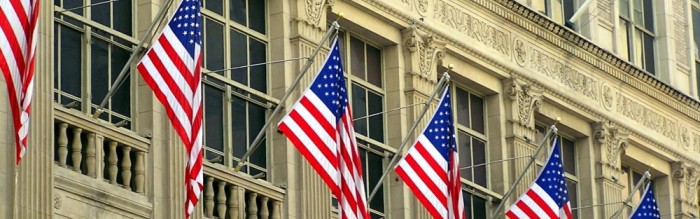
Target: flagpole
{"x": 441, "y": 84}
{"x": 255, "y": 144}
{"x": 550, "y": 132}
{"x": 646, "y": 176}
{"x": 147, "y": 37}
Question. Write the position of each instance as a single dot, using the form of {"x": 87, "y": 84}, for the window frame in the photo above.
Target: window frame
{"x": 633, "y": 27}
{"x": 575, "y": 178}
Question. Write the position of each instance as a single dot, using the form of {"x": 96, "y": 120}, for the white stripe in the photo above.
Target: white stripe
{"x": 545, "y": 197}
{"x": 420, "y": 185}
{"x": 171, "y": 70}
{"x": 16, "y": 26}
{"x": 6, "y": 51}
{"x": 517, "y": 211}
{"x": 172, "y": 101}
{"x": 316, "y": 101}
{"x": 527, "y": 200}
{"x": 425, "y": 166}
{"x": 310, "y": 146}
{"x": 432, "y": 151}
{"x": 179, "y": 48}
{"x": 314, "y": 124}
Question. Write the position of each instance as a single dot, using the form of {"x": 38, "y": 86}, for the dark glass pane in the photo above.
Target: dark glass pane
{"x": 467, "y": 204}
{"x": 71, "y": 54}
{"x": 239, "y": 57}
{"x": 238, "y": 123}
{"x": 238, "y": 11}
{"x": 635, "y": 179}
{"x": 465, "y": 155}
{"x": 569, "y": 9}
{"x": 100, "y": 13}
{"x": 256, "y": 120}
{"x": 359, "y": 109}
{"x": 638, "y": 12}
{"x": 73, "y": 4}
{"x": 571, "y": 187}
{"x": 99, "y": 70}
{"x": 649, "y": 64}
{"x": 216, "y": 6}
{"x": 649, "y": 15}
{"x": 374, "y": 66}
{"x": 341, "y": 45}
{"x": 56, "y": 54}
{"x": 375, "y": 216}
{"x": 569, "y": 155}
{"x": 376, "y": 123}
{"x": 258, "y": 74}
{"x": 121, "y": 101}
{"x": 357, "y": 57}
{"x": 374, "y": 173}
{"x": 122, "y": 17}
{"x": 214, "y": 52}
{"x": 477, "y": 114}
{"x": 213, "y": 118}
{"x": 697, "y": 75}
{"x": 479, "y": 156}
{"x": 625, "y": 8}
{"x": 257, "y": 15}
{"x": 57, "y": 2}
{"x": 696, "y": 31}
{"x": 479, "y": 207}
{"x": 462, "y": 107}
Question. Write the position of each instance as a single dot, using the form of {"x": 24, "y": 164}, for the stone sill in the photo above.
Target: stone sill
{"x": 245, "y": 181}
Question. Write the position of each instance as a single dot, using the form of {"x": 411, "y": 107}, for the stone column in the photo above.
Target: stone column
{"x": 685, "y": 181}
{"x": 672, "y": 41}
{"x": 521, "y": 101}
{"x": 609, "y": 144}
{"x": 421, "y": 53}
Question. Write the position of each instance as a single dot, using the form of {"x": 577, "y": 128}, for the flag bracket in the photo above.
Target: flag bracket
{"x": 644, "y": 178}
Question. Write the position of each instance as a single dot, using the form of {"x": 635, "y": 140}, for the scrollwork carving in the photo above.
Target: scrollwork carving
{"x": 519, "y": 51}
{"x": 689, "y": 176}
{"x": 612, "y": 140}
{"x": 428, "y": 49}
{"x": 684, "y": 138}
{"x": 314, "y": 9}
{"x": 528, "y": 98}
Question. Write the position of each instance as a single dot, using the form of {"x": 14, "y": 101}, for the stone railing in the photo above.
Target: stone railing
{"x": 229, "y": 194}
{"x": 99, "y": 150}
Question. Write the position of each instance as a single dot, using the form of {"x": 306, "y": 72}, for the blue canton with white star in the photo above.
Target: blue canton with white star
{"x": 647, "y": 207}
{"x": 186, "y": 25}
{"x": 440, "y": 132}
{"x": 329, "y": 84}
{"x": 551, "y": 179}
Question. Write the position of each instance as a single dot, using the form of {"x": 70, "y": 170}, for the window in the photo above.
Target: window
{"x": 92, "y": 45}
{"x": 696, "y": 40}
{"x": 637, "y": 33}
{"x": 630, "y": 177}
{"x": 559, "y": 10}
{"x": 568, "y": 151}
{"x": 235, "y": 35}
{"x": 372, "y": 158}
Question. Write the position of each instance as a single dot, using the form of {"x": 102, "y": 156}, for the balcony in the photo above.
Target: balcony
{"x": 229, "y": 194}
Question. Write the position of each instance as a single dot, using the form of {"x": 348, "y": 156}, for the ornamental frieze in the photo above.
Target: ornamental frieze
{"x": 649, "y": 118}
{"x": 473, "y": 27}
{"x": 564, "y": 74}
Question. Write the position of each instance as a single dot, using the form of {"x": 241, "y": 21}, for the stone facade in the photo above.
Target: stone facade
{"x": 528, "y": 69}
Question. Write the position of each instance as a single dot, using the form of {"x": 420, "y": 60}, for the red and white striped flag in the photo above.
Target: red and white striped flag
{"x": 172, "y": 68}
{"x": 320, "y": 127}
{"x": 431, "y": 167}
{"x": 18, "y": 38}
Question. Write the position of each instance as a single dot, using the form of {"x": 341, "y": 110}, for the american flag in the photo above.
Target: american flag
{"x": 172, "y": 68}
{"x": 548, "y": 196}
{"x": 18, "y": 38}
{"x": 320, "y": 127}
{"x": 431, "y": 167}
{"x": 647, "y": 208}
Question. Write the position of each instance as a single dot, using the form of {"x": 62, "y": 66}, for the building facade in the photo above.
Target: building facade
{"x": 622, "y": 79}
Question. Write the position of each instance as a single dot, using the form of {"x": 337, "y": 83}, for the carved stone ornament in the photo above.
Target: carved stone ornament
{"x": 314, "y": 9}
{"x": 57, "y": 201}
{"x": 519, "y": 51}
{"x": 428, "y": 49}
{"x": 608, "y": 97}
{"x": 528, "y": 98}
{"x": 612, "y": 141}
{"x": 684, "y": 138}
{"x": 689, "y": 176}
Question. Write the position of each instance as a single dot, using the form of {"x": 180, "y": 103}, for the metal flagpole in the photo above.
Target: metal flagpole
{"x": 391, "y": 110}
{"x": 598, "y": 205}
{"x": 550, "y": 132}
{"x": 441, "y": 84}
{"x": 256, "y": 64}
{"x": 253, "y": 146}
{"x": 495, "y": 161}
{"x": 646, "y": 176}
{"x": 147, "y": 37}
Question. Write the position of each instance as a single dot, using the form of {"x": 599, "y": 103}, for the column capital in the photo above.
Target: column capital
{"x": 423, "y": 53}
{"x": 612, "y": 142}
{"x": 525, "y": 98}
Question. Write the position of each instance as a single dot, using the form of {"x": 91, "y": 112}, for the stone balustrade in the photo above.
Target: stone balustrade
{"x": 100, "y": 151}
{"x": 229, "y": 194}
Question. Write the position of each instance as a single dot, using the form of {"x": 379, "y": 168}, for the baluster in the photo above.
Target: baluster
{"x": 112, "y": 162}
{"x": 233, "y": 203}
{"x": 209, "y": 197}
{"x": 276, "y": 212}
{"x": 62, "y": 144}
{"x": 252, "y": 205}
{"x": 221, "y": 200}
{"x": 139, "y": 171}
{"x": 126, "y": 167}
{"x": 77, "y": 148}
{"x": 264, "y": 212}
{"x": 90, "y": 154}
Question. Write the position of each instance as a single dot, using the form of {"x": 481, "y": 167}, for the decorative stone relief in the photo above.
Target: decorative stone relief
{"x": 696, "y": 142}
{"x": 564, "y": 74}
{"x": 612, "y": 140}
{"x": 473, "y": 27}
{"x": 684, "y": 137}
{"x": 689, "y": 176}
{"x": 57, "y": 201}
{"x": 519, "y": 51}
{"x": 314, "y": 9}
{"x": 422, "y": 6}
{"x": 528, "y": 98}
{"x": 427, "y": 48}
{"x": 649, "y": 118}
{"x": 607, "y": 97}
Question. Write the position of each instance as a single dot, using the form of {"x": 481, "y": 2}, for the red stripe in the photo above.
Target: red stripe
{"x": 346, "y": 119}
{"x": 420, "y": 148}
{"x": 419, "y": 195}
{"x": 314, "y": 137}
{"x": 172, "y": 85}
{"x": 168, "y": 109}
{"x": 335, "y": 189}
{"x": 318, "y": 116}
{"x": 567, "y": 210}
{"x": 19, "y": 10}
{"x": 511, "y": 215}
{"x": 11, "y": 37}
{"x": 177, "y": 62}
{"x": 543, "y": 205}
{"x": 421, "y": 173}
{"x": 526, "y": 209}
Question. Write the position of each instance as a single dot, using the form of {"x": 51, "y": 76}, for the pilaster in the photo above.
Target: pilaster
{"x": 609, "y": 144}
{"x": 685, "y": 181}
{"x": 521, "y": 102}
